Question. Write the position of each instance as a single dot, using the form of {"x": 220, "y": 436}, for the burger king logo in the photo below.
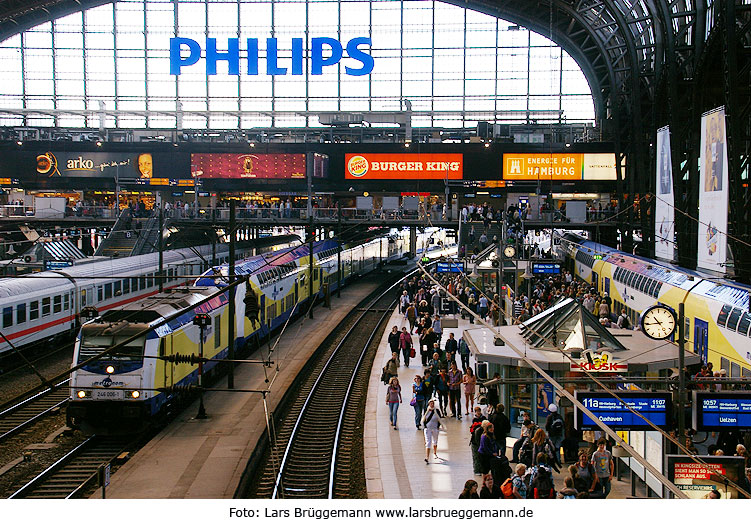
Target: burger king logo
{"x": 358, "y": 166}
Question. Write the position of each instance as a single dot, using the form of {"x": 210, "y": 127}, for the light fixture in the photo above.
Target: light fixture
{"x": 135, "y": 394}
{"x": 99, "y": 143}
{"x": 407, "y": 143}
{"x": 19, "y": 142}
{"x": 568, "y": 145}
{"x": 81, "y": 394}
{"x": 252, "y": 144}
{"x": 487, "y": 144}
{"x": 110, "y": 369}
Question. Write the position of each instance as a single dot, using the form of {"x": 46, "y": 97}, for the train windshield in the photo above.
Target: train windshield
{"x": 92, "y": 345}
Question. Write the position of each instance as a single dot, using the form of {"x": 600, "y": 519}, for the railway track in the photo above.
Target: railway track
{"x": 74, "y": 473}
{"x": 22, "y": 415}
{"x": 314, "y": 445}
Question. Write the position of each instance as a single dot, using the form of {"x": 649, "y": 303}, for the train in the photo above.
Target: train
{"x": 717, "y": 314}
{"x": 134, "y": 387}
{"x": 46, "y": 305}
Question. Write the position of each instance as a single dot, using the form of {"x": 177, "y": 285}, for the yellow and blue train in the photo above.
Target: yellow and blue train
{"x": 717, "y": 314}
{"x": 127, "y": 390}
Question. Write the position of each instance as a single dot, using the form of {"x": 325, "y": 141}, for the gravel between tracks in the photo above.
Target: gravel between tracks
{"x": 18, "y": 381}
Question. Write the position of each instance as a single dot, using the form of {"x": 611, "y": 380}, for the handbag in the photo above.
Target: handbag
{"x": 413, "y": 402}
{"x": 412, "y": 354}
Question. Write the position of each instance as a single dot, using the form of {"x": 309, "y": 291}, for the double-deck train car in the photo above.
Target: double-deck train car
{"x": 717, "y": 317}
{"x": 120, "y": 391}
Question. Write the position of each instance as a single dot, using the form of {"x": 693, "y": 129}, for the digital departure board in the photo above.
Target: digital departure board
{"x": 657, "y": 407}
{"x": 449, "y": 267}
{"x": 722, "y": 410}
{"x": 543, "y": 268}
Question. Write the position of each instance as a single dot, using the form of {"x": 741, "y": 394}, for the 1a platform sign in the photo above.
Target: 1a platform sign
{"x": 657, "y": 407}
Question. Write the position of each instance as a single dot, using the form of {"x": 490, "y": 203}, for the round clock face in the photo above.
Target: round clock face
{"x": 658, "y": 322}
{"x": 509, "y": 251}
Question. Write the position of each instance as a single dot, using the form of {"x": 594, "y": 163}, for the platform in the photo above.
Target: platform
{"x": 205, "y": 459}
{"x": 394, "y": 459}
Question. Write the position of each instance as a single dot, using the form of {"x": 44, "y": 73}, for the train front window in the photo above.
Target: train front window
{"x": 94, "y": 344}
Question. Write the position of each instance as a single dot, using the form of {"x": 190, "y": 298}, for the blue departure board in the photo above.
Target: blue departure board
{"x": 542, "y": 268}
{"x": 722, "y": 410}
{"x": 657, "y": 407}
{"x": 449, "y": 267}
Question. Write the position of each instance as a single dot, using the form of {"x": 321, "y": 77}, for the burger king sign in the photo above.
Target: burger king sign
{"x": 404, "y": 166}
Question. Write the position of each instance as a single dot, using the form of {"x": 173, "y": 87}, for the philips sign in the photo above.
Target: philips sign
{"x": 334, "y": 52}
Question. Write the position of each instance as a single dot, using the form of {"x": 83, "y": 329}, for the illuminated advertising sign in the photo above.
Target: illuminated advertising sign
{"x": 534, "y": 166}
{"x": 324, "y": 52}
{"x": 248, "y": 165}
{"x": 657, "y": 407}
{"x": 404, "y": 166}
{"x": 559, "y": 166}
{"x": 95, "y": 164}
{"x": 696, "y": 480}
{"x": 722, "y": 411}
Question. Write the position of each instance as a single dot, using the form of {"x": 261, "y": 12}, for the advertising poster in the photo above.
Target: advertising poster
{"x": 664, "y": 213}
{"x": 599, "y": 167}
{"x": 404, "y": 166}
{"x": 696, "y": 480}
{"x": 533, "y": 166}
{"x": 248, "y": 165}
{"x": 95, "y": 164}
{"x": 713, "y": 192}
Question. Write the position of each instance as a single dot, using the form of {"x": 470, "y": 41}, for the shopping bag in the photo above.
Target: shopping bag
{"x": 411, "y": 352}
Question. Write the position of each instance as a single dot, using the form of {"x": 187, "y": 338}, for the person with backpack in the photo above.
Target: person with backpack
{"x": 555, "y": 427}
{"x": 568, "y": 492}
{"x": 541, "y": 479}
{"x": 541, "y": 445}
{"x": 431, "y": 422}
{"x": 602, "y": 461}
{"x": 476, "y": 430}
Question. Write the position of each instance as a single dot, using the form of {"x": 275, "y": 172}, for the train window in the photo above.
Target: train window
{"x": 149, "y": 281}
{"x": 57, "y": 304}
{"x": 33, "y": 310}
{"x": 100, "y": 293}
{"x": 725, "y": 364}
{"x": 630, "y": 278}
{"x": 45, "y": 306}
{"x": 217, "y": 331}
{"x": 108, "y": 291}
{"x": 134, "y": 284}
{"x": 651, "y": 287}
{"x": 733, "y": 318}
{"x": 21, "y": 313}
{"x": 642, "y": 283}
{"x": 83, "y": 298}
{"x": 117, "y": 289}
{"x": 7, "y": 317}
{"x": 746, "y": 373}
{"x": 744, "y": 323}
{"x": 66, "y": 301}
{"x": 722, "y": 317}
{"x": 142, "y": 282}
{"x": 735, "y": 370}
{"x": 290, "y": 301}
{"x": 126, "y": 286}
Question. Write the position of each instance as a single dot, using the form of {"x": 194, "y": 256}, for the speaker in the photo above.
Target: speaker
{"x": 481, "y": 371}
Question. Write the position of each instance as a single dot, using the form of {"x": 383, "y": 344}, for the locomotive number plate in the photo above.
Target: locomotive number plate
{"x": 107, "y": 394}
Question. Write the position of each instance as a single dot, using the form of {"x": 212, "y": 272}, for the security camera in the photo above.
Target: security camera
{"x": 351, "y": 189}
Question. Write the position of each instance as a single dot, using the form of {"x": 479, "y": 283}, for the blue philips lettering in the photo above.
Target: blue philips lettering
{"x": 232, "y": 56}
{"x": 324, "y": 51}
{"x": 176, "y": 61}
{"x": 272, "y": 69}
{"x": 252, "y": 56}
{"x": 297, "y": 57}
{"x": 317, "y": 59}
{"x": 358, "y": 55}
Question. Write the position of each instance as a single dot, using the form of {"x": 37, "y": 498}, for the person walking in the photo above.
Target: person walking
{"x": 431, "y": 422}
{"x": 464, "y": 353}
{"x": 393, "y": 398}
{"x": 469, "y": 381}
{"x": 393, "y": 341}
{"x": 404, "y": 302}
{"x": 391, "y": 366}
{"x": 411, "y": 314}
{"x": 442, "y": 387}
{"x": 554, "y": 426}
{"x": 602, "y": 461}
{"x": 405, "y": 344}
{"x": 451, "y": 348}
{"x": 455, "y": 383}
{"x": 418, "y": 392}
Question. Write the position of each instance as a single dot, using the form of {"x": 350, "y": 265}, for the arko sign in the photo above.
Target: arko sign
{"x": 324, "y": 52}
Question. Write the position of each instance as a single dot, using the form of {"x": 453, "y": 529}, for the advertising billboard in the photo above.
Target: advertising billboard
{"x": 696, "y": 480}
{"x": 599, "y": 167}
{"x": 664, "y": 213}
{"x": 95, "y": 164}
{"x": 717, "y": 411}
{"x": 404, "y": 166}
{"x": 559, "y": 166}
{"x": 248, "y": 165}
{"x": 713, "y": 193}
{"x": 657, "y": 407}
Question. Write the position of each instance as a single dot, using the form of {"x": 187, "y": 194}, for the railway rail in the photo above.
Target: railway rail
{"x": 76, "y": 472}
{"x": 317, "y": 442}
{"x": 23, "y": 414}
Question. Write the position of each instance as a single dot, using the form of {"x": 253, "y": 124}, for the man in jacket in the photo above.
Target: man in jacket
{"x": 451, "y": 348}
{"x": 405, "y": 344}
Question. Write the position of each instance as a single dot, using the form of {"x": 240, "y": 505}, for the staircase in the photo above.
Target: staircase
{"x": 148, "y": 237}
{"x": 121, "y": 240}
{"x": 464, "y": 239}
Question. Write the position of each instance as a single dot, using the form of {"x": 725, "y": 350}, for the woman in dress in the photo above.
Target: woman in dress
{"x": 469, "y": 380}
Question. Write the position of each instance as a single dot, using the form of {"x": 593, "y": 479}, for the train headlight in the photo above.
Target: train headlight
{"x": 135, "y": 394}
{"x": 81, "y": 394}
{"x": 110, "y": 369}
